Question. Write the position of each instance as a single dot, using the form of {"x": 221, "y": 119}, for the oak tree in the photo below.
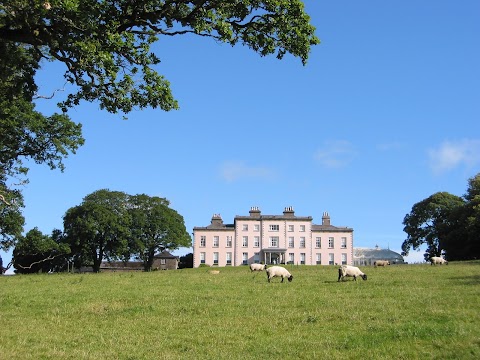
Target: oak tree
{"x": 430, "y": 222}
{"x": 155, "y": 227}
{"x": 98, "y": 229}
{"x": 105, "y": 46}
{"x": 36, "y": 252}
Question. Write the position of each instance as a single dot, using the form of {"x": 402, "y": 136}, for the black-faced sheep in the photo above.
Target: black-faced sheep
{"x": 278, "y": 271}
{"x": 381, "y": 263}
{"x": 434, "y": 260}
{"x": 257, "y": 267}
{"x": 352, "y": 271}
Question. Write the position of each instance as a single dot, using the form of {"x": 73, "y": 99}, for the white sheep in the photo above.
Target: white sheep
{"x": 353, "y": 271}
{"x": 438, "y": 260}
{"x": 381, "y": 263}
{"x": 257, "y": 267}
{"x": 278, "y": 271}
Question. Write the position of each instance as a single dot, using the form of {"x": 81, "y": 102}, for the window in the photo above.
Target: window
{"x": 291, "y": 228}
{"x": 245, "y": 258}
{"x": 319, "y": 259}
{"x": 203, "y": 241}
{"x": 302, "y": 228}
{"x": 330, "y": 243}
{"x": 318, "y": 242}
{"x": 256, "y": 258}
{"x": 229, "y": 258}
{"x": 256, "y": 227}
{"x": 330, "y": 259}
{"x": 216, "y": 241}
{"x": 274, "y": 241}
{"x": 291, "y": 258}
{"x": 274, "y": 227}
{"x": 302, "y": 242}
{"x": 202, "y": 258}
{"x": 245, "y": 227}
{"x": 215, "y": 258}
{"x": 291, "y": 242}
{"x": 344, "y": 259}
{"x": 344, "y": 243}
{"x": 163, "y": 261}
{"x": 302, "y": 258}
{"x": 245, "y": 241}
{"x": 256, "y": 241}
{"x": 229, "y": 241}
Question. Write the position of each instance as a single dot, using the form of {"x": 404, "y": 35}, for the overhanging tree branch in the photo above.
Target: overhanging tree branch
{"x": 2, "y": 198}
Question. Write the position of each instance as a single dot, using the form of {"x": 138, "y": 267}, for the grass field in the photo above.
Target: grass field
{"x": 401, "y": 312}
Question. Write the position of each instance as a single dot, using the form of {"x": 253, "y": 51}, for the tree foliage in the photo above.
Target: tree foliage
{"x": 106, "y": 45}
{"x": 26, "y": 134}
{"x": 98, "y": 228}
{"x": 11, "y": 218}
{"x": 471, "y": 219}
{"x": 112, "y": 225}
{"x": 446, "y": 223}
{"x": 36, "y": 252}
{"x": 155, "y": 227}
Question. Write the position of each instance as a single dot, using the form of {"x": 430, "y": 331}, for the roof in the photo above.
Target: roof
{"x": 165, "y": 255}
{"x": 215, "y": 226}
{"x": 331, "y": 228}
{"x": 274, "y": 217}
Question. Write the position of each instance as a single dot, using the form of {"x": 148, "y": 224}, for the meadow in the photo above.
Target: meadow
{"x": 401, "y": 311}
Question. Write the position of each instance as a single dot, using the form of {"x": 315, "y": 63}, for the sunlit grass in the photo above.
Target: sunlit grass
{"x": 404, "y": 312}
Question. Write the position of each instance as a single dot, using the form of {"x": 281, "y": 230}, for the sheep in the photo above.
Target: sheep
{"x": 381, "y": 263}
{"x": 278, "y": 271}
{"x": 347, "y": 270}
{"x": 438, "y": 260}
{"x": 257, "y": 267}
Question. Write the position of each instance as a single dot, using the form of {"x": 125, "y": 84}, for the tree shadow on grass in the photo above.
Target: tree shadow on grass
{"x": 470, "y": 280}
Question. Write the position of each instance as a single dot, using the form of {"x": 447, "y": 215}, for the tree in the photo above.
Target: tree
{"x": 98, "y": 228}
{"x": 106, "y": 45}
{"x": 26, "y": 134}
{"x": 155, "y": 227}
{"x": 186, "y": 261}
{"x": 472, "y": 219}
{"x": 430, "y": 222}
{"x": 36, "y": 252}
{"x": 11, "y": 218}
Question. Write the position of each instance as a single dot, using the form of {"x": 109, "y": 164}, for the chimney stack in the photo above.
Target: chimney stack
{"x": 289, "y": 211}
{"x": 254, "y": 211}
{"x": 217, "y": 219}
{"x": 326, "y": 219}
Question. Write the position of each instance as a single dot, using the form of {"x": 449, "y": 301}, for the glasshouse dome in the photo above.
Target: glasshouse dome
{"x": 367, "y": 256}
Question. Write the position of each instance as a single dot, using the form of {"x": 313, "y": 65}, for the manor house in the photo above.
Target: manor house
{"x": 272, "y": 239}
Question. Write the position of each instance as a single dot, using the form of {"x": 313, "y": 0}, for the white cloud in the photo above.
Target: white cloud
{"x": 453, "y": 154}
{"x": 235, "y": 170}
{"x": 335, "y": 154}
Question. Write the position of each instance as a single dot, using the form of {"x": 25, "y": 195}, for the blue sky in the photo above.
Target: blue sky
{"x": 385, "y": 114}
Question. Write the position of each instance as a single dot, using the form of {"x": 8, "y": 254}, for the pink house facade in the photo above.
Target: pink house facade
{"x": 272, "y": 239}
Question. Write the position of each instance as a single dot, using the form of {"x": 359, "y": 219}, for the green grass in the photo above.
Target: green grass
{"x": 401, "y": 312}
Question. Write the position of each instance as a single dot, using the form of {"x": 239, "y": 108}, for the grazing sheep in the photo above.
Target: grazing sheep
{"x": 257, "y": 267}
{"x": 438, "y": 260}
{"x": 381, "y": 263}
{"x": 278, "y": 271}
{"x": 353, "y": 271}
